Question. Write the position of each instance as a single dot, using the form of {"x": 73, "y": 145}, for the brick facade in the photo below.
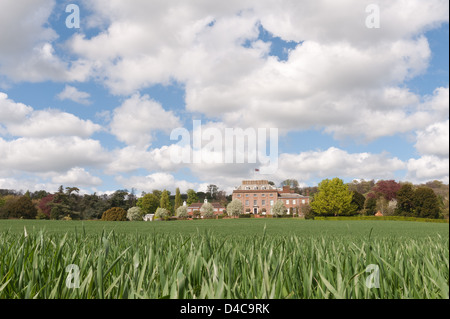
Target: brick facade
{"x": 259, "y": 196}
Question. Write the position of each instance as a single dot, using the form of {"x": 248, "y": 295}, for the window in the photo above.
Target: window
{"x": 293, "y": 202}
{"x": 287, "y": 202}
{"x": 246, "y": 195}
{"x": 271, "y": 203}
{"x": 303, "y": 201}
{"x": 256, "y": 187}
{"x": 263, "y": 195}
{"x": 246, "y": 203}
{"x": 255, "y": 195}
{"x": 271, "y": 195}
{"x": 263, "y": 202}
{"x": 264, "y": 187}
{"x": 239, "y": 195}
{"x": 255, "y": 202}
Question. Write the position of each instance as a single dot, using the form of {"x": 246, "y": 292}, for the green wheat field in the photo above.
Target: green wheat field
{"x": 226, "y": 259}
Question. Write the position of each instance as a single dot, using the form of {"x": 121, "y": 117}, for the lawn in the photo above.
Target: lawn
{"x": 231, "y": 259}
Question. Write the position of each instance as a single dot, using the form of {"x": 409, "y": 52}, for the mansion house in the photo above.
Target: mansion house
{"x": 258, "y": 197}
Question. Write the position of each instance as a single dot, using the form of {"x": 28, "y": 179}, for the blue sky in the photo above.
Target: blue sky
{"x": 94, "y": 107}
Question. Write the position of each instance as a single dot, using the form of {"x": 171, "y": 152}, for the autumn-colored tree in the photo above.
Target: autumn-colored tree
{"x": 115, "y": 214}
{"x": 45, "y": 204}
{"x": 387, "y": 189}
{"x": 23, "y": 207}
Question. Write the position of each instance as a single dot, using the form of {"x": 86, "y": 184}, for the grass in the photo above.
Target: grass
{"x": 230, "y": 259}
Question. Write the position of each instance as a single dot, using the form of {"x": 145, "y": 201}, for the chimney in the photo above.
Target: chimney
{"x": 286, "y": 189}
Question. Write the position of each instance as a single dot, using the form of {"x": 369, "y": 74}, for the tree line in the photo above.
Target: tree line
{"x": 329, "y": 198}
{"x": 68, "y": 203}
{"x": 386, "y": 197}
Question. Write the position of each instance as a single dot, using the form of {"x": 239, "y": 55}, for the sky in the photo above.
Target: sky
{"x": 353, "y": 92}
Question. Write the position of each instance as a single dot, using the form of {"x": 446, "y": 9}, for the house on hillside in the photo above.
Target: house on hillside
{"x": 258, "y": 197}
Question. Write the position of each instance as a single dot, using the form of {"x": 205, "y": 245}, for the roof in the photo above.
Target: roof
{"x": 199, "y": 205}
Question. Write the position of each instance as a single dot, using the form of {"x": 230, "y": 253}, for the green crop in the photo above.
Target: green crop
{"x": 207, "y": 264}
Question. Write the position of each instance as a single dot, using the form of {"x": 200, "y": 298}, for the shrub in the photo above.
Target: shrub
{"x": 115, "y": 214}
{"x": 279, "y": 209}
{"x": 162, "y": 213}
{"x": 308, "y": 212}
{"x": 196, "y": 213}
{"x": 182, "y": 212}
{"x": 234, "y": 208}
{"x": 245, "y": 216}
{"x": 134, "y": 214}
{"x": 207, "y": 210}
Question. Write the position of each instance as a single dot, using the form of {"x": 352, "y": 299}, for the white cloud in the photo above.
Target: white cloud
{"x": 434, "y": 140}
{"x": 138, "y": 118}
{"x": 428, "y": 168}
{"x": 336, "y": 79}
{"x": 52, "y": 154}
{"x": 51, "y": 123}
{"x": 159, "y": 181}
{"x": 77, "y": 176}
{"x": 21, "y": 120}
{"x": 26, "y": 48}
{"x": 12, "y": 112}
{"x": 335, "y": 162}
{"x": 73, "y": 94}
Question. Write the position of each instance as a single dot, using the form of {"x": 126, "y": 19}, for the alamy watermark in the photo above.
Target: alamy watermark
{"x": 373, "y": 19}
{"x": 73, "y": 278}
{"x": 73, "y": 19}
{"x": 373, "y": 280}
{"x": 235, "y": 145}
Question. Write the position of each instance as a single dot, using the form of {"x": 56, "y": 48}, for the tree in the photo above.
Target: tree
{"x": 182, "y": 212}
{"x": 45, "y": 205}
{"x": 361, "y": 186}
{"x": 426, "y": 203}
{"x": 207, "y": 210}
{"x": 192, "y": 197}
{"x": 178, "y": 200}
{"x": 370, "y": 205}
{"x": 165, "y": 201}
{"x": 161, "y": 213}
{"x": 23, "y": 207}
{"x": 387, "y": 189}
{"x": 115, "y": 214}
{"x": 307, "y": 211}
{"x": 358, "y": 200}
{"x": 279, "y": 209}
{"x": 134, "y": 214}
{"x": 292, "y": 183}
{"x": 234, "y": 208}
{"x": 211, "y": 191}
{"x": 333, "y": 199}
{"x": 405, "y": 200}
{"x": 148, "y": 203}
{"x": 119, "y": 199}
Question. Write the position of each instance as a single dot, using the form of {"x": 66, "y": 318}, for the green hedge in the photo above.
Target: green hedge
{"x": 245, "y": 216}
{"x": 394, "y": 218}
